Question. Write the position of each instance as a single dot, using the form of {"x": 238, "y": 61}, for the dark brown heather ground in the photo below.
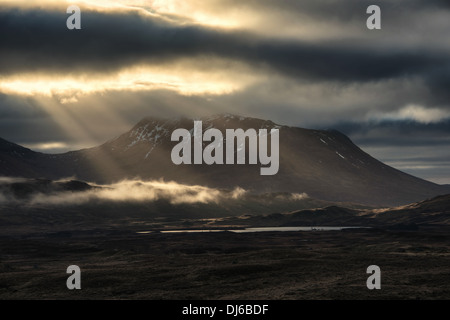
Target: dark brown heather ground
{"x": 268, "y": 265}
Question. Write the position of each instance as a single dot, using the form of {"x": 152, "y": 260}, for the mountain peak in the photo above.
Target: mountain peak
{"x": 150, "y": 132}
{"x": 153, "y": 129}
{"x": 232, "y": 119}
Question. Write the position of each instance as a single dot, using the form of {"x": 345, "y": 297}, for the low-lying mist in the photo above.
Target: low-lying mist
{"x": 69, "y": 192}
{"x": 140, "y": 191}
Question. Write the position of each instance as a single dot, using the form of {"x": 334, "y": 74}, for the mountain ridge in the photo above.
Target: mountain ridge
{"x": 325, "y": 164}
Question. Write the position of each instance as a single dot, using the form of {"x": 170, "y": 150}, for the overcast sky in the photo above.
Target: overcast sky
{"x": 306, "y": 63}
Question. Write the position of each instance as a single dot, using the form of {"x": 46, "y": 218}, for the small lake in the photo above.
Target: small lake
{"x": 265, "y": 229}
{"x": 261, "y": 229}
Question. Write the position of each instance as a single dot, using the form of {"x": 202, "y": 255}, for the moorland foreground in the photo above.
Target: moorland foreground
{"x": 123, "y": 264}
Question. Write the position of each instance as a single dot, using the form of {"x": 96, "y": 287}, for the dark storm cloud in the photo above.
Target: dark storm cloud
{"x": 329, "y": 9}
{"x": 342, "y": 64}
{"x": 345, "y": 9}
{"x": 38, "y": 40}
{"x": 397, "y": 133}
{"x": 438, "y": 81}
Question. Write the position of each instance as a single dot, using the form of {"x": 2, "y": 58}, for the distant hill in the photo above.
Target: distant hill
{"x": 27, "y": 188}
{"x": 326, "y": 165}
{"x": 434, "y": 211}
